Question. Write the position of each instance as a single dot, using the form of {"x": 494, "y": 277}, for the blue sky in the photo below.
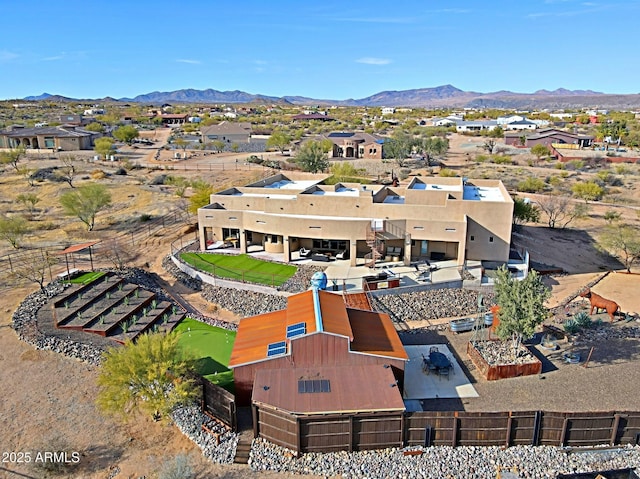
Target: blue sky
{"x": 321, "y": 49}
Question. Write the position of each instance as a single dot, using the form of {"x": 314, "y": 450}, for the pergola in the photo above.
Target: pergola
{"x": 77, "y": 248}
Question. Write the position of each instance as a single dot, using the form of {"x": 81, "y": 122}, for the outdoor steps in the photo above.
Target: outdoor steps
{"x": 69, "y": 319}
{"x": 103, "y": 329}
{"x": 92, "y": 288}
{"x": 146, "y": 323}
{"x": 242, "y": 450}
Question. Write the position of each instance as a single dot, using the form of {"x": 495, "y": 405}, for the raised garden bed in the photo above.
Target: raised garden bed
{"x": 495, "y": 360}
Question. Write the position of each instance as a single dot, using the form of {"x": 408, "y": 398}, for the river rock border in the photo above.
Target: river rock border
{"x": 464, "y": 462}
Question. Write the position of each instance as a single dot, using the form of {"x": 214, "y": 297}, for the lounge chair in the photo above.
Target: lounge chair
{"x": 305, "y": 253}
{"x": 342, "y": 254}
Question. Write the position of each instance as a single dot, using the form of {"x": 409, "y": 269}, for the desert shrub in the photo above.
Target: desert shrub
{"x": 120, "y": 171}
{"x": 145, "y": 217}
{"x": 98, "y": 175}
{"x": 447, "y": 173}
{"x": 531, "y": 185}
{"x": 179, "y": 467}
{"x": 482, "y": 158}
{"x": 47, "y": 226}
{"x": 559, "y": 166}
{"x": 502, "y": 160}
{"x": 254, "y": 159}
{"x": 158, "y": 180}
{"x": 54, "y": 466}
{"x": 575, "y": 165}
{"x": 554, "y": 180}
{"x": 571, "y": 326}
{"x": 582, "y": 319}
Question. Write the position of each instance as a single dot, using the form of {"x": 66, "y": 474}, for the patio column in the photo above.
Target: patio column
{"x": 243, "y": 241}
{"x": 352, "y": 252}
{"x": 407, "y": 249}
{"x": 287, "y": 249}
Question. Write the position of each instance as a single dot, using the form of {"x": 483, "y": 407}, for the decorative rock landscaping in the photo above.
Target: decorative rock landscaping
{"x": 442, "y": 462}
{"x": 190, "y": 419}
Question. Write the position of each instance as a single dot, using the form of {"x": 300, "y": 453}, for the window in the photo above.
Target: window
{"x": 490, "y": 239}
{"x": 49, "y": 142}
{"x": 314, "y": 386}
{"x": 472, "y": 238}
{"x": 274, "y": 238}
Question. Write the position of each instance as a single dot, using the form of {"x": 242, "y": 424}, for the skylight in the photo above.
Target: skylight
{"x": 314, "y": 386}
{"x": 276, "y": 349}
{"x": 297, "y": 329}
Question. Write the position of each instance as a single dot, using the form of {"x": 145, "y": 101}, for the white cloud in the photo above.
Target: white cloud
{"x": 54, "y": 58}
{"x": 6, "y": 56}
{"x": 373, "y": 61}
{"x": 190, "y": 62}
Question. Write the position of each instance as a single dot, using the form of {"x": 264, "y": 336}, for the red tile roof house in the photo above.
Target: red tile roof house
{"x": 546, "y": 137}
{"x": 319, "y": 356}
{"x": 354, "y": 145}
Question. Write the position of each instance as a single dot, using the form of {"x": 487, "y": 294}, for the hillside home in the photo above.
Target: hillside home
{"x": 227, "y": 132}
{"x": 354, "y": 145}
{"x": 431, "y": 217}
{"x": 54, "y": 138}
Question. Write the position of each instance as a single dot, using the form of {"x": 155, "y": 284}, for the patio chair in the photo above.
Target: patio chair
{"x": 342, "y": 254}
{"x": 305, "y": 253}
{"x": 444, "y": 372}
{"x": 433, "y": 349}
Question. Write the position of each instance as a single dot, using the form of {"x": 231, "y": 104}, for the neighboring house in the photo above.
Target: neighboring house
{"x": 227, "y": 132}
{"x": 356, "y": 353}
{"x": 436, "y": 218}
{"x": 503, "y": 120}
{"x": 72, "y": 120}
{"x": 387, "y": 110}
{"x": 354, "y": 145}
{"x": 519, "y": 125}
{"x": 173, "y": 118}
{"x": 57, "y": 138}
{"x": 477, "y": 125}
{"x": 547, "y": 137}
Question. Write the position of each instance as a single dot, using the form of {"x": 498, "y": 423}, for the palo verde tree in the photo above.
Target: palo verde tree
{"x": 152, "y": 375}
{"x": 589, "y": 191}
{"x": 398, "y": 147}
{"x": 67, "y": 171}
{"x": 12, "y": 157}
{"x": 312, "y": 156}
{"x": 540, "y": 151}
{"x": 521, "y": 305}
{"x": 30, "y": 200}
{"x": 432, "y": 146}
{"x": 12, "y": 229}
{"x": 32, "y": 266}
{"x": 103, "y": 146}
{"x": 524, "y": 211}
{"x": 126, "y": 133}
{"x": 85, "y": 202}
{"x": 201, "y": 196}
{"x": 279, "y": 140}
{"x": 560, "y": 212}
{"x": 623, "y": 241}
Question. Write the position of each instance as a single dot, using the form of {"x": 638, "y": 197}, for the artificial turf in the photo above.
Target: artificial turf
{"x": 241, "y": 267}
{"x": 85, "y": 278}
{"x": 211, "y": 347}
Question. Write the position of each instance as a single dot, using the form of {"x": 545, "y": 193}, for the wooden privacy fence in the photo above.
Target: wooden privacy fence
{"x": 353, "y": 432}
{"x": 219, "y": 403}
{"x": 538, "y": 428}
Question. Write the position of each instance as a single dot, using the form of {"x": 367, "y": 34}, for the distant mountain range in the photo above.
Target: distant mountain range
{"x": 445, "y": 96}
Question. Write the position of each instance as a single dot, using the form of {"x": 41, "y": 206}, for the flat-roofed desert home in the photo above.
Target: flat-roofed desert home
{"x": 430, "y": 218}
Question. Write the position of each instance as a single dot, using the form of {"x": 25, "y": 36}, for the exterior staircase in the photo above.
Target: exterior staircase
{"x": 242, "y": 450}
{"x": 378, "y": 233}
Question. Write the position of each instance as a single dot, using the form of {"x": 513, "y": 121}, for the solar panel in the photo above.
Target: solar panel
{"x": 275, "y": 349}
{"x": 296, "y": 330}
{"x": 314, "y": 386}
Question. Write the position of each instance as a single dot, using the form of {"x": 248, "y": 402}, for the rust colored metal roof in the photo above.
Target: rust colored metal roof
{"x": 375, "y": 334}
{"x": 357, "y": 301}
{"x": 352, "y": 389}
{"x": 254, "y": 336}
{"x": 369, "y": 332}
{"x": 334, "y": 314}
{"x": 78, "y": 247}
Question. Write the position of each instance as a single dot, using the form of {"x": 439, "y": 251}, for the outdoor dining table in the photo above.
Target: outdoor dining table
{"x": 439, "y": 360}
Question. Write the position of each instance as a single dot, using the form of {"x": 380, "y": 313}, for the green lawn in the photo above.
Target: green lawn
{"x": 241, "y": 267}
{"x": 211, "y": 346}
{"x": 86, "y": 278}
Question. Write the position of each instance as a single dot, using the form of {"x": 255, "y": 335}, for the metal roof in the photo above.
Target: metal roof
{"x": 352, "y": 389}
{"x": 78, "y": 247}
{"x": 368, "y": 332}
